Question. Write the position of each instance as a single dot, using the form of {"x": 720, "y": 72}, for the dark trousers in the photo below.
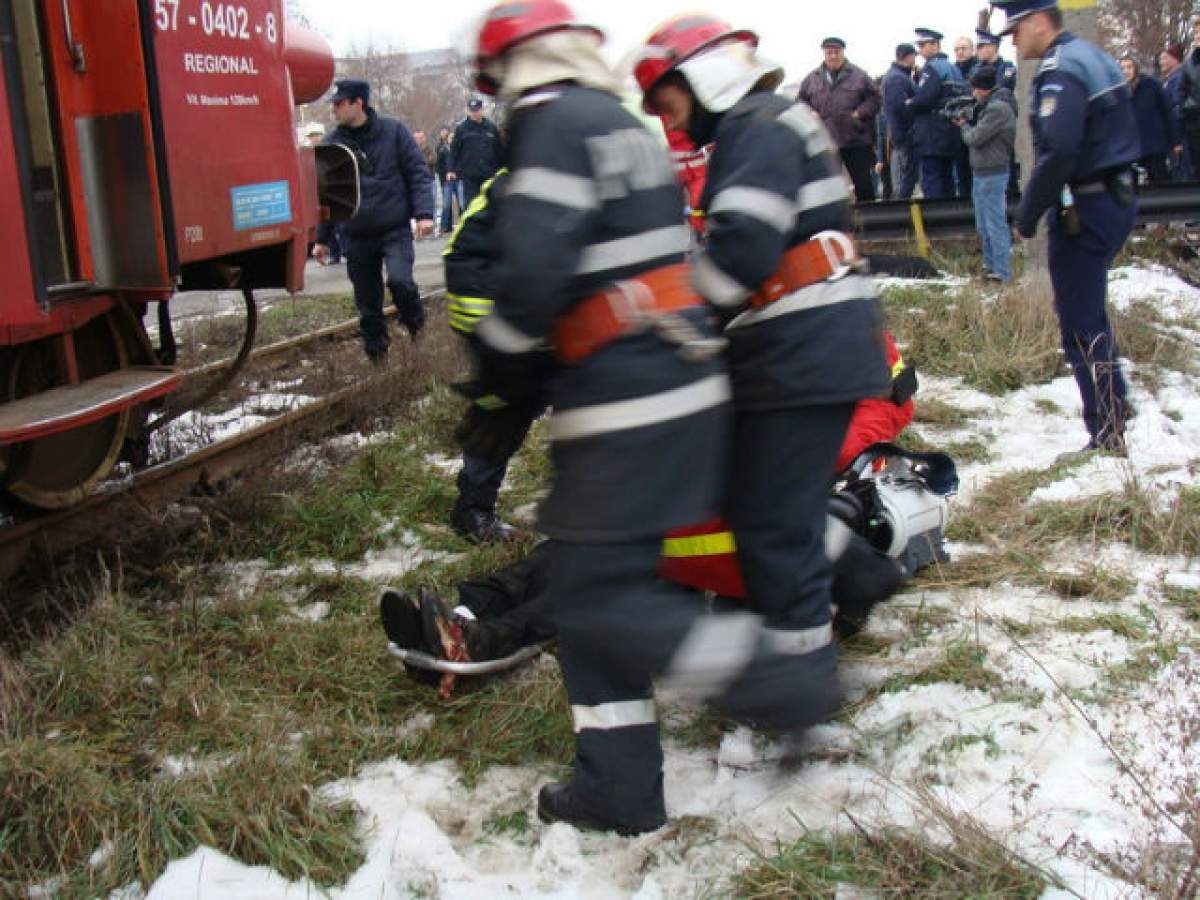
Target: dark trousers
{"x": 904, "y": 171}
{"x": 470, "y": 189}
{"x": 783, "y": 463}
{"x": 619, "y": 627}
{"x": 963, "y": 179}
{"x": 937, "y": 177}
{"x": 1191, "y": 143}
{"x": 366, "y": 258}
{"x": 1079, "y": 274}
{"x": 859, "y": 162}
{"x": 479, "y": 482}
{"x": 512, "y": 604}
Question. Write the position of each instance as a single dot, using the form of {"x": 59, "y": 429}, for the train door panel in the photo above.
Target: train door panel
{"x": 31, "y": 116}
{"x": 101, "y": 86}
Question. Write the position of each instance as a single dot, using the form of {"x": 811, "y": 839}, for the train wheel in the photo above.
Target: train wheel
{"x": 58, "y": 471}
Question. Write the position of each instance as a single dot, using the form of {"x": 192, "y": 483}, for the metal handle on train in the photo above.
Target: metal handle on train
{"x": 76, "y": 50}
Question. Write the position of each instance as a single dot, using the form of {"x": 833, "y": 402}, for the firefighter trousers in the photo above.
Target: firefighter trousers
{"x": 619, "y": 628}
{"x": 783, "y": 466}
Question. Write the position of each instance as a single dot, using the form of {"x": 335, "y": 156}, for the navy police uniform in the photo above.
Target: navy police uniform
{"x": 938, "y": 142}
{"x": 1085, "y": 140}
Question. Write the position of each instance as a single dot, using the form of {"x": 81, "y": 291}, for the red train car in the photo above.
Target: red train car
{"x": 146, "y": 147}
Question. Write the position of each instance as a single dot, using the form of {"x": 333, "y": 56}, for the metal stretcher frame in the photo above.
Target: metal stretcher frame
{"x": 419, "y": 660}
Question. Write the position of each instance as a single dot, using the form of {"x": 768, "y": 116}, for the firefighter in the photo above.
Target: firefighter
{"x": 470, "y": 260}
{"x": 592, "y": 251}
{"x": 1085, "y": 138}
{"x": 804, "y": 325}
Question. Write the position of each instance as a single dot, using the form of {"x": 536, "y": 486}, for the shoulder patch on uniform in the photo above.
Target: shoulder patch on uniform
{"x": 537, "y": 98}
{"x": 1047, "y": 106}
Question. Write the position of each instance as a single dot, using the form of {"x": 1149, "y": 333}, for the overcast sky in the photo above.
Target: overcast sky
{"x": 791, "y": 30}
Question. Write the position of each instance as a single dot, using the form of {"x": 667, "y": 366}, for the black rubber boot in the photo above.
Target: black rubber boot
{"x": 401, "y": 619}
{"x": 557, "y": 803}
{"x": 480, "y": 525}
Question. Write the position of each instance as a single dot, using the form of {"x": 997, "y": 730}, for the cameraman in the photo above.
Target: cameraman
{"x": 989, "y": 134}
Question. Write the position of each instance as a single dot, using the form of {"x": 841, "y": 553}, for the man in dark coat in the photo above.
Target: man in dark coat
{"x": 898, "y": 89}
{"x": 937, "y": 140}
{"x": 475, "y": 152}
{"x": 1189, "y": 94}
{"x": 1156, "y": 122}
{"x": 846, "y": 99}
{"x": 396, "y": 187}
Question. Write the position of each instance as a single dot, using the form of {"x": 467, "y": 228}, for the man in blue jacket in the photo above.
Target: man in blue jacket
{"x": 395, "y": 187}
{"x": 898, "y": 89}
{"x": 937, "y": 140}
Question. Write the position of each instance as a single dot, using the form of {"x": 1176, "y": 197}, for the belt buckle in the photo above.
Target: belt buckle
{"x": 629, "y": 301}
{"x": 832, "y": 241}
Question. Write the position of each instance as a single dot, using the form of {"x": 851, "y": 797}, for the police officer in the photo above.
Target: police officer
{"x": 396, "y": 187}
{"x": 591, "y": 263}
{"x": 987, "y": 53}
{"x": 476, "y": 151}
{"x": 937, "y": 140}
{"x": 804, "y": 327}
{"x": 1085, "y": 141}
{"x": 898, "y": 88}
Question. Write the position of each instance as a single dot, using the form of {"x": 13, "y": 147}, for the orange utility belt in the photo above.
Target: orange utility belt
{"x": 603, "y": 317}
{"x": 828, "y": 256}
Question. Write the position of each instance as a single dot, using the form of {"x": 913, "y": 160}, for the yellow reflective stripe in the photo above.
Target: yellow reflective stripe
{"x": 474, "y": 306}
{"x": 898, "y": 367}
{"x": 466, "y": 312}
{"x": 479, "y": 202}
{"x": 717, "y": 544}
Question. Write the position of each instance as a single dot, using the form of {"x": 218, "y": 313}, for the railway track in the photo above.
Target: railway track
{"x": 143, "y": 493}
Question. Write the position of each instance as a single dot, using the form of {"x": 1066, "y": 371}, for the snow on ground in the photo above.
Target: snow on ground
{"x": 1173, "y": 297}
{"x": 1022, "y": 761}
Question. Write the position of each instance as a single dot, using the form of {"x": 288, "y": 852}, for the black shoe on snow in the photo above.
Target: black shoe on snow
{"x": 557, "y": 803}
{"x": 480, "y": 525}
{"x": 401, "y": 619}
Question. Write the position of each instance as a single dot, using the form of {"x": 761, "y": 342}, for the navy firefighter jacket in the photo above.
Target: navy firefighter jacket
{"x": 1084, "y": 128}
{"x": 639, "y": 435}
{"x": 774, "y": 181}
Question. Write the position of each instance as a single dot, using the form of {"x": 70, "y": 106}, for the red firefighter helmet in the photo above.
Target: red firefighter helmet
{"x": 508, "y": 23}
{"x": 679, "y": 39}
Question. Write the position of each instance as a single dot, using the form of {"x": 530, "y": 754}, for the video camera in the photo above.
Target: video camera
{"x": 957, "y": 108}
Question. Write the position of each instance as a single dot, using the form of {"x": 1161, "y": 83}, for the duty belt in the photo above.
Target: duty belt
{"x": 649, "y": 301}
{"x": 827, "y": 256}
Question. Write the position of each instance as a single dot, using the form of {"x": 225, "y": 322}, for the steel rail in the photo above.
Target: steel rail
{"x": 897, "y": 219}
{"x": 58, "y": 532}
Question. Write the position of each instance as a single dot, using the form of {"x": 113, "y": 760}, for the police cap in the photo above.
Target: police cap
{"x": 1016, "y": 10}
{"x": 924, "y": 35}
{"x": 835, "y": 42}
{"x": 986, "y": 37}
{"x": 351, "y": 89}
{"x": 474, "y": 103}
